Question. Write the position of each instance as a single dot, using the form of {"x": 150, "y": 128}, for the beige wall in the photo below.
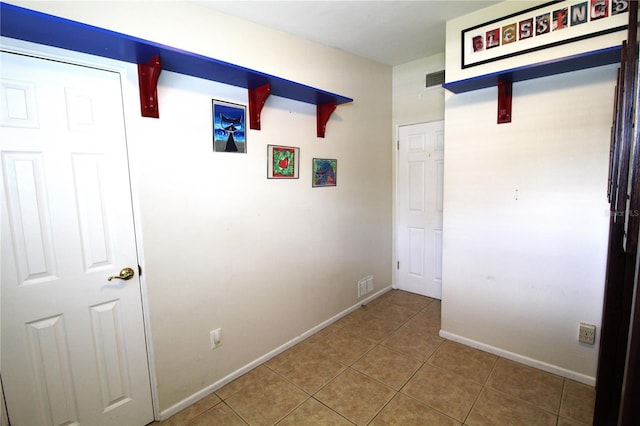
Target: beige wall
{"x": 412, "y": 101}
{"x": 525, "y": 209}
{"x": 223, "y": 246}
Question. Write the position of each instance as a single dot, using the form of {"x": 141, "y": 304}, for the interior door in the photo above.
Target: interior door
{"x": 73, "y": 342}
{"x": 419, "y": 214}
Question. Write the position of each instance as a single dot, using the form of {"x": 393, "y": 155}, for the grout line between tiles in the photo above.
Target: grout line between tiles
{"x": 429, "y": 406}
{"x": 325, "y": 405}
{"x": 236, "y": 413}
{"x": 562, "y": 395}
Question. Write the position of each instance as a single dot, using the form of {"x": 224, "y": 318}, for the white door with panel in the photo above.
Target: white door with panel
{"x": 73, "y": 342}
{"x": 419, "y": 214}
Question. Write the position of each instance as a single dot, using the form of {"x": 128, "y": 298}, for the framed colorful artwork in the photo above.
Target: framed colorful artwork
{"x": 324, "y": 172}
{"x": 283, "y": 162}
{"x": 229, "y": 127}
{"x": 541, "y": 27}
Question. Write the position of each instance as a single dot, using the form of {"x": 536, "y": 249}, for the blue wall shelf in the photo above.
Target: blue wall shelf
{"x": 29, "y": 25}
{"x": 591, "y": 59}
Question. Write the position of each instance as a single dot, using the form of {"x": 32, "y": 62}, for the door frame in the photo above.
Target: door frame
{"x": 395, "y": 277}
{"x": 130, "y": 102}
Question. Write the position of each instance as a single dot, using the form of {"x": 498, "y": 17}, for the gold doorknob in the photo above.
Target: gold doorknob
{"x": 125, "y": 274}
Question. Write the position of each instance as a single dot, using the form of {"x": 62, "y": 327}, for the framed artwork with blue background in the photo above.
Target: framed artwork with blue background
{"x": 229, "y": 127}
{"x": 325, "y": 172}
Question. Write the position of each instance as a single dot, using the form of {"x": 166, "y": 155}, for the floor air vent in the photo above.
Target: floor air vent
{"x": 435, "y": 78}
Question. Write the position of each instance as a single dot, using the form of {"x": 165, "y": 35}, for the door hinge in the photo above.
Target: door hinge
{"x": 398, "y": 265}
{"x": 398, "y": 145}
{"x": 139, "y": 270}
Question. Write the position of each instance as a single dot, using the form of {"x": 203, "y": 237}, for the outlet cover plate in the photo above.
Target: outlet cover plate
{"x": 216, "y": 338}
{"x": 587, "y": 333}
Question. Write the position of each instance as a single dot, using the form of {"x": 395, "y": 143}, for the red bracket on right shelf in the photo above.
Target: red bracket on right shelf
{"x": 148, "y": 75}
{"x": 323, "y": 112}
{"x": 504, "y": 99}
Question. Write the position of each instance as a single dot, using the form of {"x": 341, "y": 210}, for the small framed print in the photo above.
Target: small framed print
{"x": 324, "y": 172}
{"x": 283, "y": 162}
{"x": 229, "y": 127}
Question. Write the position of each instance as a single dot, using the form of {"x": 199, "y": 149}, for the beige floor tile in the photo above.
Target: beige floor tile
{"x": 353, "y": 317}
{"x": 494, "y": 408}
{"x": 266, "y": 400}
{"x": 220, "y": 415}
{"x": 306, "y": 367}
{"x": 387, "y": 366}
{"x": 537, "y": 387}
{"x": 355, "y": 396}
{"x": 406, "y": 411}
{"x": 323, "y": 334}
{"x": 578, "y": 401}
{"x": 311, "y": 412}
{"x": 372, "y": 328}
{"x": 426, "y": 322}
{"x": 242, "y": 382}
{"x": 471, "y": 363}
{"x": 443, "y": 390}
{"x": 197, "y": 408}
{"x": 346, "y": 345}
{"x": 395, "y": 314}
{"x": 413, "y": 342}
{"x": 407, "y": 299}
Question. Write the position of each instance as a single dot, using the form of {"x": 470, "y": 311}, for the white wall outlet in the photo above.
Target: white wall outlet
{"x": 216, "y": 337}
{"x": 587, "y": 333}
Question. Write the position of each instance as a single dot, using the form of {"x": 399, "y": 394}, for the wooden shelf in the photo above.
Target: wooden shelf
{"x": 591, "y": 59}
{"x": 29, "y": 25}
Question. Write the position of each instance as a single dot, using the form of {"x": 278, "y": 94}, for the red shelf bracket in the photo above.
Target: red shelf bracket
{"x": 504, "y": 99}
{"x": 148, "y": 75}
{"x": 323, "y": 113}
{"x": 257, "y": 98}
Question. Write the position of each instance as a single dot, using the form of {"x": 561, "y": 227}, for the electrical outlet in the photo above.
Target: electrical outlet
{"x": 215, "y": 336}
{"x": 587, "y": 333}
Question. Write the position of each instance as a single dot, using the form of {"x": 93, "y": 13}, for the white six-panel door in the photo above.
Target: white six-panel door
{"x": 73, "y": 343}
{"x": 419, "y": 212}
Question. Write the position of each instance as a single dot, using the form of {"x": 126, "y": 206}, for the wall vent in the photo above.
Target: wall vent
{"x": 435, "y": 78}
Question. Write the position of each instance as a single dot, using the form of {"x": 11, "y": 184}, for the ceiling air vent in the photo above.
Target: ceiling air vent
{"x": 435, "y": 78}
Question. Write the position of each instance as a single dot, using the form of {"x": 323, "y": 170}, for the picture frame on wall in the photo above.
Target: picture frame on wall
{"x": 283, "y": 162}
{"x": 541, "y": 27}
{"x": 324, "y": 172}
{"x": 229, "y": 127}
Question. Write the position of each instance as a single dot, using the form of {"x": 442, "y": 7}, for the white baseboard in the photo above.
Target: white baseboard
{"x": 550, "y": 368}
{"x": 165, "y": 414}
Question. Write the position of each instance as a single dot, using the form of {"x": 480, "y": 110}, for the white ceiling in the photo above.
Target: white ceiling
{"x": 390, "y": 32}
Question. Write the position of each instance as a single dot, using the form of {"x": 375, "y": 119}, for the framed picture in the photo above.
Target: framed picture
{"x": 229, "y": 127}
{"x": 324, "y": 172}
{"x": 541, "y": 27}
{"x": 283, "y": 162}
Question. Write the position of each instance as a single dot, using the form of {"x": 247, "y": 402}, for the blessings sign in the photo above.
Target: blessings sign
{"x": 542, "y": 27}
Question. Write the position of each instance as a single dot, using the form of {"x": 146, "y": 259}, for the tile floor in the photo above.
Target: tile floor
{"x": 384, "y": 364}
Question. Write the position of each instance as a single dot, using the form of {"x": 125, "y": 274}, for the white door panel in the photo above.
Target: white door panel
{"x": 73, "y": 343}
{"x": 419, "y": 227}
